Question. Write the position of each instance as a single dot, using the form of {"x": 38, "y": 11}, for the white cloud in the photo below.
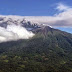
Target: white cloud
{"x": 62, "y": 7}
{"x": 61, "y": 19}
{"x": 14, "y": 32}
{"x": 67, "y": 11}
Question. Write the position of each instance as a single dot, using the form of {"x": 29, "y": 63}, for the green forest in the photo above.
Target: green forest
{"x": 47, "y": 51}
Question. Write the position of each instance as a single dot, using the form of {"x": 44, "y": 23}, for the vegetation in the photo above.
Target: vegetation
{"x": 49, "y": 50}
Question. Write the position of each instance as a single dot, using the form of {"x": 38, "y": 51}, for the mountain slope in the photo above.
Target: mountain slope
{"x": 50, "y": 50}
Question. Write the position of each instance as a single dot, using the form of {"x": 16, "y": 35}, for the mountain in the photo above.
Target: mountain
{"x": 8, "y": 20}
{"x": 49, "y": 50}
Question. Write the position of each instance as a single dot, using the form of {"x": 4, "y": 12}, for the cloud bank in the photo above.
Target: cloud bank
{"x": 61, "y": 19}
{"x": 14, "y": 32}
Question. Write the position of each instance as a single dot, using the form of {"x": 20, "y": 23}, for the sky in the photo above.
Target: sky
{"x": 57, "y": 11}
{"x": 29, "y": 7}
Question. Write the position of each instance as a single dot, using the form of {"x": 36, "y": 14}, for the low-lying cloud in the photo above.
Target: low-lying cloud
{"x": 14, "y": 32}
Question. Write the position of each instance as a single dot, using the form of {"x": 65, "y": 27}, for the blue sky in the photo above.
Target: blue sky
{"x": 65, "y": 29}
{"x": 33, "y": 8}
{"x": 29, "y": 7}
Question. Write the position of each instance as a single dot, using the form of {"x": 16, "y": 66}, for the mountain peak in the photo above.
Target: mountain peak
{"x": 44, "y": 29}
